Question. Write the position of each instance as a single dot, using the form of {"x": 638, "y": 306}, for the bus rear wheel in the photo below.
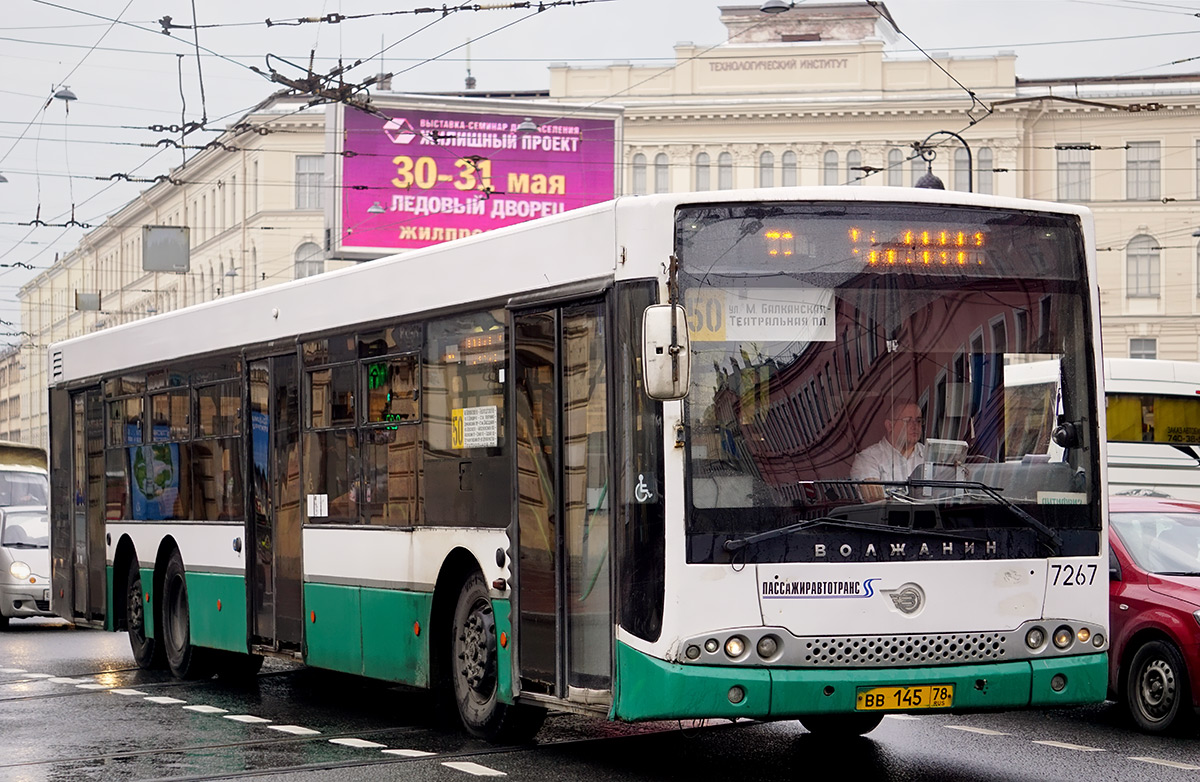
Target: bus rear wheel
{"x": 147, "y": 652}
{"x": 474, "y": 672}
{"x": 835, "y": 725}
{"x": 185, "y": 660}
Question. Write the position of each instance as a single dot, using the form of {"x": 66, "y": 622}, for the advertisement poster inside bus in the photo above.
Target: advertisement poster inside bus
{"x": 418, "y": 178}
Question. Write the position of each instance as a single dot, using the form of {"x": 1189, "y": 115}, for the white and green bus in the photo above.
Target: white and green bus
{"x": 603, "y": 462}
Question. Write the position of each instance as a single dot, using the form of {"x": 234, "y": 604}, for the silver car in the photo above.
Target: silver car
{"x": 24, "y": 562}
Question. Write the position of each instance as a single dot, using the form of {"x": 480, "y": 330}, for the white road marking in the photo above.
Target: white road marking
{"x": 408, "y": 753}
{"x": 901, "y": 717}
{"x": 92, "y": 686}
{"x": 163, "y": 699}
{"x": 474, "y": 768}
{"x": 1170, "y": 763}
{"x": 40, "y": 675}
{"x": 980, "y": 731}
{"x": 12, "y": 670}
{"x": 127, "y": 691}
{"x": 206, "y": 709}
{"x": 1064, "y": 745}
{"x": 358, "y": 743}
{"x": 62, "y": 680}
{"x": 295, "y": 730}
{"x": 250, "y": 718}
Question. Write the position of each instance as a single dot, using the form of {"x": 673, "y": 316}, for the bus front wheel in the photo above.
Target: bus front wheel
{"x": 147, "y": 652}
{"x": 834, "y": 725}
{"x": 185, "y": 660}
{"x": 474, "y": 672}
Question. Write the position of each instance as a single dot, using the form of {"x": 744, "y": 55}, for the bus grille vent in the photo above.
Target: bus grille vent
{"x": 56, "y": 365}
{"x": 868, "y": 651}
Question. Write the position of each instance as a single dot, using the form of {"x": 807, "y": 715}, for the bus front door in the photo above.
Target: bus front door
{"x": 274, "y": 568}
{"x": 564, "y": 622}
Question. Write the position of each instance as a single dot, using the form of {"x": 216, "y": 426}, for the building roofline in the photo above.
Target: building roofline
{"x": 1078, "y": 80}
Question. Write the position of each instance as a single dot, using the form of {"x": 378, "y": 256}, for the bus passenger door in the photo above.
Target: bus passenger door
{"x": 78, "y": 549}
{"x": 275, "y": 570}
{"x": 564, "y": 623}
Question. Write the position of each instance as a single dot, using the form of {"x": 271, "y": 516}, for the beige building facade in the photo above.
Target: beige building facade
{"x": 253, "y": 205}
{"x": 807, "y": 97}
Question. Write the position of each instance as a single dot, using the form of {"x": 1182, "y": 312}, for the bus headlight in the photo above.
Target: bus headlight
{"x": 1083, "y": 634}
{"x": 1063, "y": 637}
{"x": 735, "y": 647}
{"x": 768, "y": 645}
{"x": 19, "y": 570}
{"x": 1035, "y": 638}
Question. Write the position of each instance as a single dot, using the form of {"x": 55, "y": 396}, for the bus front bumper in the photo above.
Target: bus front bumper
{"x": 649, "y": 688}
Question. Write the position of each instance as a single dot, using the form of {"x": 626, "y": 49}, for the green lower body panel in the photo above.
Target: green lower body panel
{"x": 649, "y": 688}
{"x": 502, "y": 610}
{"x": 216, "y": 607}
{"x": 381, "y": 633}
{"x": 108, "y": 613}
{"x": 333, "y": 627}
{"x": 395, "y": 629}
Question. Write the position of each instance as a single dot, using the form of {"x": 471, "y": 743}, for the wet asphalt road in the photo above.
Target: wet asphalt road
{"x": 74, "y": 708}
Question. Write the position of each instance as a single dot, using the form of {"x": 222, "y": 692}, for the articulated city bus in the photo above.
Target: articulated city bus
{"x": 608, "y": 462}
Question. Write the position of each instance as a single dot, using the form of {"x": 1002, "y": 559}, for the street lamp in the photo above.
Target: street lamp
{"x": 928, "y": 153}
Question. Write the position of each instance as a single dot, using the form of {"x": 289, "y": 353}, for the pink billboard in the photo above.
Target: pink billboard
{"x": 423, "y": 177}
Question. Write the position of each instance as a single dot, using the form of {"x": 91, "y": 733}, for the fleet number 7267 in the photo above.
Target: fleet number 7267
{"x": 1074, "y": 575}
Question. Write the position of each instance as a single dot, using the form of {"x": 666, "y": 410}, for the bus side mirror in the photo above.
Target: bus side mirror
{"x": 666, "y": 354}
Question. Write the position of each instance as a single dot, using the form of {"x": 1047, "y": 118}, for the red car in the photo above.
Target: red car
{"x": 1154, "y": 610}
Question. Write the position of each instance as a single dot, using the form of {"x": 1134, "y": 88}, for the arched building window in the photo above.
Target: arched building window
{"x": 639, "y": 174}
{"x": 703, "y": 181}
{"x": 766, "y": 169}
{"x": 854, "y": 173}
{"x": 829, "y": 168}
{"x": 1142, "y": 263}
{"x": 962, "y": 169}
{"x": 309, "y": 260}
{"x": 895, "y": 167}
{"x": 725, "y": 171}
{"x": 787, "y": 169}
{"x": 984, "y": 164}
{"x": 662, "y": 173}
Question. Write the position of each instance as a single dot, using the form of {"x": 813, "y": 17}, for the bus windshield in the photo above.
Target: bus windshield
{"x": 848, "y": 399}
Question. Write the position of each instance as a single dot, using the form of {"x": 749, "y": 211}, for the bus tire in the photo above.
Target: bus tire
{"x": 147, "y": 652}
{"x": 844, "y": 725}
{"x": 185, "y": 660}
{"x": 1157, "y": 692}
{"x": 473, "y": 672}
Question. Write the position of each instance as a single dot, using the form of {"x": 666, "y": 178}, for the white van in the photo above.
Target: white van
{"x": 24, "y": 533}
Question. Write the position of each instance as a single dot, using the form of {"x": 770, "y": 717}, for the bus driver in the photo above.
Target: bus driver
{"x": 895, "y": 456}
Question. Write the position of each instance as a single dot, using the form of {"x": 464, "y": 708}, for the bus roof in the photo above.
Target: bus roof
{"x": 492, "y": 267}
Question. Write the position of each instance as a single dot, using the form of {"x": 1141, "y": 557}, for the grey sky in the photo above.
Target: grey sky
{"x": 131, "y": 77}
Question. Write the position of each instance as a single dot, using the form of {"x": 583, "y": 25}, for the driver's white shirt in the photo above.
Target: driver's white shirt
{"x": 883, "y": 462}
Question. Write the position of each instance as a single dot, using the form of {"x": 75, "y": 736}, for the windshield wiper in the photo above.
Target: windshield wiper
{"x": 25, "y": 545}
{"x": 736, "y": 544}
{"x": 994, "y": 493}
{"x": 1176, "y": 573}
